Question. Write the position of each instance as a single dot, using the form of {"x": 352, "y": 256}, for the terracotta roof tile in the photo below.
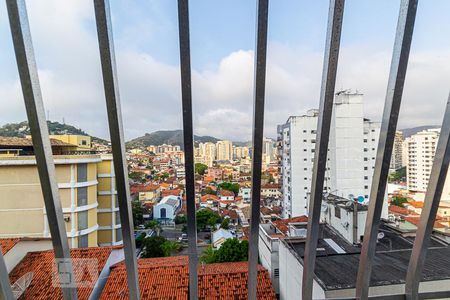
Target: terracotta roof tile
{"x": 416, "y": 220}
{"x": 8, "y": 244}
{"x": 17, "y": 141}
{"x": 41, "y": 264}
{"x": 282, "y": 224}
{"x": 168, "y": 278}
{"x": 398, "y": 210}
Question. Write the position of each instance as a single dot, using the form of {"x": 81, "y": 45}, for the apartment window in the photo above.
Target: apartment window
{"x": 117, "y": 217}
{"x": 276, "y": 273}
{"x": 81, "y": 172}
{"x": 82, "y": 196}
{"x": 304, "y": 131}
{"x": 83, "y": 241}
{"x": 366, "y": 187}
{"x": 337, "y": 212}
{"x": 313, "y": 131}
{"x": 365, "y": 168}
{"x": 304, "y": 141}
{"x": 366, "y": 177}
{"x": 365, "y": 140}
{"x": 83, "y": 142}
{"x": 119, "y": 235}
{"x": 365, "y": 159}
{"x": 82, "y": 220}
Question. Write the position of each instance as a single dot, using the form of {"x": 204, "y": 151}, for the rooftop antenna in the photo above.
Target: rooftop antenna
{"x": 19, "y": 287}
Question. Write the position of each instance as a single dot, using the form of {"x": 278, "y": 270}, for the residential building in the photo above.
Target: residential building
{"x": 240, "y": 152}
{"x": 337, "y": 260}
{"x": 421, "y": 148}
{"x": 207, "y": 153}
{"x": 224, "y": 150}
{"x": 271, "y": 190}
{"x": 351, "y": 156}
{"x": 269, "y": 149}
{"x": 83, "y": 142}
{"x": 397, "y": 160}
{"x": 86, "y": 189}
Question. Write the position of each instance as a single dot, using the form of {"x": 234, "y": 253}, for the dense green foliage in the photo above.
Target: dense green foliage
{"x": 234, "y": 187}
{"x": 210, "y": 191}
{"x": 399, "y": 175}
{"x": 232, "y": 250}
{"x": 158, "y": 246}
{"x": 200, "y": 168}
{"x": 138, "y": 212}
{"x": 180, "y": 219}
{"x": 399, "y": 201}
{"x": 137, "y": 176}
{"x": 206, "y": 218}
{"x": 225, "y": 224}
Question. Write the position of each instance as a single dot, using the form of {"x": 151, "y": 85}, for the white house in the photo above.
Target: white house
{"x": 167, "y": 208}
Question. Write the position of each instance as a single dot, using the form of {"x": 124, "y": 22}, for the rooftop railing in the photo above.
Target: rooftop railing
{"x": 36, "y": 117}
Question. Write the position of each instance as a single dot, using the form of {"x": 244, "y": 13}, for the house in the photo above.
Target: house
{"x": 226, "y": 195}
{"x": 150, "y": 192}
{"x": 174, "y": 192}
{"x": 168, "y": 278}
{"x": 208, "y": 200}
{"x": 220, "y": 236}
{"x": 167, "y": 209}
{"x": 15, "y": 249}
{"x": 245, "y": 193}
{"x": 231, "y": 215}
{"x": 215, "y": 173}
{"x": 271, "y": 191}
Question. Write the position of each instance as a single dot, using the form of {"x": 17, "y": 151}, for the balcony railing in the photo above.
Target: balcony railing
{"x": 36, "y": 117}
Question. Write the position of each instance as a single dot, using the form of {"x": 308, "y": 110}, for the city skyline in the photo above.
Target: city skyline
{"x": 146, "y": 44}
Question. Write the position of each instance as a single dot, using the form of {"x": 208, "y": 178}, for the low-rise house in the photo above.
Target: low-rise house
{"x": 220, "y": 236}
{"x": 271, "y": 191}
{"x": 215, "y": 173}
{"x": 167, "y": 209}
{"x": 231, "y": 215}
{"x": 245, "y": 193}
{"x": 174, "y": 192}
{"x": 150, "y": 192}
{"x": 226, "y": 195}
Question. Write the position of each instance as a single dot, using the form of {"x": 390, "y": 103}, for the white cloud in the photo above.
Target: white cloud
{"x": 67, "y": 54}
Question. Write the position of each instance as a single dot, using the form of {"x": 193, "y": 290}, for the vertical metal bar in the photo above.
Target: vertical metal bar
{"x": 333, "y": 38}
{"x": 399, "y": 63}
{"x": 111, "y": 87}
{"x": 431, "y": 205}
{"x": 257, "y": 136}
{"x": 188, "y": 139}
{"x": 5, "y": 285}
{"x": 23, "y": 48}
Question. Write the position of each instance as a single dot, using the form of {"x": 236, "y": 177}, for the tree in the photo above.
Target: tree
{"x": 234, "y": 187}
{"x": 225, "y": 224}
{"x": 200, "y": 168}
{"x": 398, "y": 175}
{"x": 140, "y": 239}
{"x": 208, "y": 190}
{"x": 153, "y": 247}
{"x": 232, "y": 250}
{"x": 399, "y": 201}
{"x": 180, "y": 219}
{"x": 154, "y": 225}
{"x": 206, "y": 217}
{"x": 138, "y": 212}
{"x": 170, "y": 246}
{"x": 137, "y": 176}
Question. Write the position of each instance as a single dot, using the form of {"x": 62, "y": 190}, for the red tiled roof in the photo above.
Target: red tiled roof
{"x": 226, "y": 193}
{"x": 8, "y": 244}
{"x": 282, "y": 224}
{"x": 168, "y": 278}
{"x": 209, "y": 197}
{"x": 41, "y": 264}
{"x": 270, "y": 186}
{"x": 398, "y": 210}
{"x": 416, "y": 204}
{"x": 266, "y": 211}
{"x": 230, "y": 213}
{"x": 175, "y": 192}
{"x": 416, "y": 220}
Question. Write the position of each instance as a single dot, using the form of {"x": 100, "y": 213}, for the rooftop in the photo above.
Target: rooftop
{"x": 8, "y": 244}
{"x": 337, "y": 260}
{"x": 167, "y": 278}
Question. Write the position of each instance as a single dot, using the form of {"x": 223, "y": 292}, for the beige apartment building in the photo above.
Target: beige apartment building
{"x": 421, "y": 148}
{"x": 86, "y": 188}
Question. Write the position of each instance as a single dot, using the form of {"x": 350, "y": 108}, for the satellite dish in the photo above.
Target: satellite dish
{"x": 351, "y": 196}
{"x": 380, "y": 235}
{"x": 19, "y": 287}
{"x": 349, "y": 203}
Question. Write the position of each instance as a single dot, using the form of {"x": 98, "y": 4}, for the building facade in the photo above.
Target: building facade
{"x": 351, "y": 155}
{"x": 224, "y": 150}
{"x": 397, "y": 160}
{"x": 86, "y": 189}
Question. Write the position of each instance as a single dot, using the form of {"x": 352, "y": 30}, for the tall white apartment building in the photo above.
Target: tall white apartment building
{"x": 421, "y": 148}
{"x": 207, "y": 153}
{"x": 397, "y": 160}
{"x": 269, "y": 149}
{"x": 351, "y": 154}
{"x": 224, "y": 150}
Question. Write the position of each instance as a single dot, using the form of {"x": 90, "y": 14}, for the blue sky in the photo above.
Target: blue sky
{"x": 222, "y": 42}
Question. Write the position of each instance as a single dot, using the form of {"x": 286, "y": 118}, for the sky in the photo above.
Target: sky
{"x": 222, "y": 51}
